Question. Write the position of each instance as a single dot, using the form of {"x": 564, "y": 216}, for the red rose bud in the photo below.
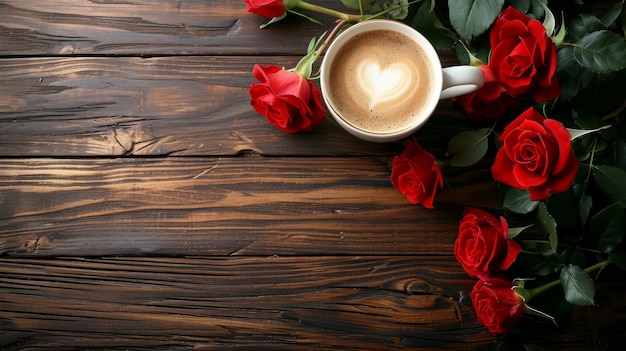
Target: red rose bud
{"x": 523, "y": 57}
{"x": 483, "y": 246}
{"x": 266, "y": 8}
{"x": 415, "y": 174}
{"x": 536, "y": 155}
{"x": 498, "y": 307}
{"x": 288, "y": 100}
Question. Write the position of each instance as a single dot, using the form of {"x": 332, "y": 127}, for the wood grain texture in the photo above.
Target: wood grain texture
{"x": 168, "y": 27}
{"x": 146, "y": 28}
{"x": 217, "y": 303}
{"x": 177, "y": 106}
{"x": 144, "y": 205}
{"x": 226, "y": 206}
{"x": 264, "y": 303}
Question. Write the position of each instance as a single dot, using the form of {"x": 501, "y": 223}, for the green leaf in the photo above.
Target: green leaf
{"x": 529, "y": 310}
{"x": 602, "y": 51}
{"x": 574, "y": 255}
{"x": 618, "y": 258}
{"x": 273, "y": 20}
{"x": 518, "y": 201}
{"x": 522, "y": 5}
{"x": 587, "y": 120}
{"x": 536, "y": 260}
{"x": 583, "y": 25}
{"x": 471, "y": 18}
{"x": 366, "y": 5}
{"x": 468, "y": 147}
{"x": 548, "y": 21}
{"x": 397, "y": 9}
{"x": 537, "y": 7}
{"x": 572, "y": 76}
{"x": 578, "y": 133}
{"x": 513, "y": 232}
{"x": 612, "y": 14}
{"x": 558, "y": 38}
{"x": 608, "y": 227}
{"x": 426, "y": 22}
{"x": 623, "y": 21}
{"x": 577, "y": 285}
{"x": 611, "y": 182}
{"x": 548, "y": 225}
{"x": 311, "y": 19}
{"x": 585, "y": 202}
{"x": 584, "y": 207}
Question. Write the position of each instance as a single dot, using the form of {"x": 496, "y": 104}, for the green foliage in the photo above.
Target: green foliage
{"x": 366, "y": 6}
{"x": 397, "y": 9}
{"x": 513, "y": 232}
{"x": 601, "y": 51}
{"x": 471, "y": 18}
{"x": 537, "y": 260}
{"x": 612, "y": 14}
{"x": 468, "y": 147}
{"x": 425, "y": 20}
{"x": 611, "y": 181}
{"x": 548, "y": 225}
{"x": 608, "y": 227}
{"x": 585, "y": 225}
{"x": 585, "y": 202}
{"x": 618, "y": 258}
{"x": 518, "y": 201}
{"x": 577, "y": 285}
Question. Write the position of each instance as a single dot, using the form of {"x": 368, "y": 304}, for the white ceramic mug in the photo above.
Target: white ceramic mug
{"x": 448, "y": 82}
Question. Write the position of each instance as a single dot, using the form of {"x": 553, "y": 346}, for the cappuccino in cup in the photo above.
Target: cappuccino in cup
{"x": 381, "y": 80}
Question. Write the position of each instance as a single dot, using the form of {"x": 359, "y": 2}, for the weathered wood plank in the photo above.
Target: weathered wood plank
{"x": 168, "y": 27}
{"x": 225, "y": 206}
{"x": 144, "y": 27}
{"x": 360, "y": 303}
{"x": 179, "y": 106}
{"x": 287, "y": 303}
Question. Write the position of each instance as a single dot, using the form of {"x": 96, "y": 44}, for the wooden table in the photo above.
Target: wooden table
{"x": 145, "y": 205}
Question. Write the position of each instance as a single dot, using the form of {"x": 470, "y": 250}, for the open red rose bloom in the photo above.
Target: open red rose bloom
{"x": 498, "y": 307}
{"x": 523, "y": 56}
{"x": 483, "y": 246}
{"x": 536, "y": 156}
{"x": 415, "y": 174}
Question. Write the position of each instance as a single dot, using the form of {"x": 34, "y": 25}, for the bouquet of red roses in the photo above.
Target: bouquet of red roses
{"x": 551, "y": 117}
{"x": 552, "y": 101}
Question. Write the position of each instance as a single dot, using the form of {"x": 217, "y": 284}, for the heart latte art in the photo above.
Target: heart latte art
{"x": 386, "y": 84}
{"x": 380, "y": 81}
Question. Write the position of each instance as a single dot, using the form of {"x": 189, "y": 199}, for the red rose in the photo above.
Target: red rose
{"x": 415, "y": 174}
{"x": 266, "y": 8}
{"x": 483, "y": 246}
{"x": 489, "y": 102}
{"x": 523, "y": 57}
{"x": 536, "y": 155}
{"x": 286, "y": 99}
{"x": 498, "y": 307}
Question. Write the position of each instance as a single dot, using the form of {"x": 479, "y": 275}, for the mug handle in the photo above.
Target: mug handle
{"x": 461, "y": 80}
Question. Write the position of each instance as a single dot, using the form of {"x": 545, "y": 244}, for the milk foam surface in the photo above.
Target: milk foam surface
{"x": 380, "y": 81}
{"x": 386, "y": 84}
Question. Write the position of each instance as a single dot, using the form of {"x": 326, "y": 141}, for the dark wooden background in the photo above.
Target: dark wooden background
{"x": 145, "y": 205}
